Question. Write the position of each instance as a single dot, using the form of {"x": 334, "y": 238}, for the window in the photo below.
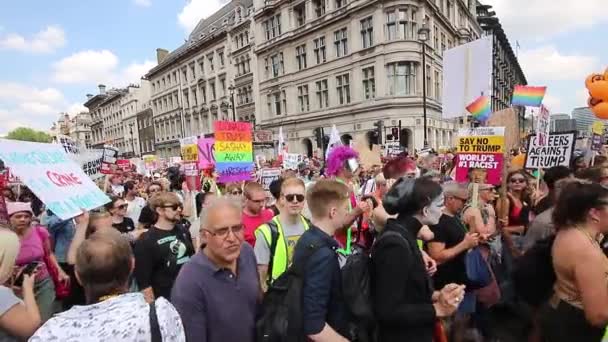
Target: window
{"x": 193, "y": 71}
{"x": 220, "y": 55}
{"x": 153, "y": 88}
{"x": 272, "y": 26}
{"x": 186, "y": 99}
{"x": 284, "y": 101}
{"x": 437, "y": 86}
{"x": 436, "y": 38}
{"x": 340, "y": 3}
{"x": 369, "y": 83}
{"x": 391, "y": 25}
{"x": 300, "y": 13}
{"x": 442, "y": 43}
{"x": 276, "y": 64}
{"x": 185, "y": 74}
{"x": 212, "y": 87}
{"x": 223, "y": 86}
{"x": 322, "y": 94}
{"x": 164, "y": 83}
{"x": 343, "y": 87}
{"x": 320, "y": 53}
{"x": 301, "y": 56}
{"x": 429, "y": 83}
{"x": 303, "y": 100}
{"x": 367, "y": 32}
{"x": 203, "y": 93}
{"x": 174, "y": 77}
{"x": 319, "y": 6}
{"x": 275, "y": 103}
{"x": 210, "y": 60}
{"x": 341, "y": 42}
{"x": 401, "y": 78}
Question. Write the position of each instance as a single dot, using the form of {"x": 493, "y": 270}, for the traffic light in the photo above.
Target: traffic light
{"x": 379, "y": 130}
{"x": 318, "y": 132}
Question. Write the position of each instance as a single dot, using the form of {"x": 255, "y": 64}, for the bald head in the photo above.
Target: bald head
{"x": 217, "y": 210}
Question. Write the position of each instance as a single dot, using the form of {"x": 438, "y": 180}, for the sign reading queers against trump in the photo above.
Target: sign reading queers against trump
{"x": 557, "y": 151}
{"x": 48, "y": 171}
{"x": 480, "y": 154}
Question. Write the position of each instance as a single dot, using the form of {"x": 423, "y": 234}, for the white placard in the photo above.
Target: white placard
{"x": 268, "y": 176}
{"x": 48, "y": 171}
{"x": 291, "y": 161}
{"x": 557, "y": 151}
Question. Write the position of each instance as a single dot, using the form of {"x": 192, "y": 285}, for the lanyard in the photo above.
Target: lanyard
{"x": 349, "y": 231}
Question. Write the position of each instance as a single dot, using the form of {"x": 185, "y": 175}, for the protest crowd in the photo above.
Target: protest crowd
{"x": 483, "y": 241}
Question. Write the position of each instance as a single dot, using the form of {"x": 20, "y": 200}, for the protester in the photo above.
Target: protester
{"x": 36, "y": 248}
{"x": 516, "y": 209}
{"x": 481, "y": 218}
{"x": 595, "y": 174}
{"x": 163, "y": 249}
{"x": 275, "y": 191}
{"x": 219, "y": 286}
{"x": 18, "y": 319}
{"x": 117, "y": 207}
{"x": 288, "y": 226}
{"x": 323, "y": 308}
{"x": 135, "y": 204}
{"x": 103, "y": 266}
{"x": 114, "y": 184}
{"x": 234, "y": 189}
{"x": 406, "y": 308}
{"x": 254, "y": 211}
{"x": 551, "y": 176}
{"x": 147, "y": 218}
{"x": 578, "y": 310}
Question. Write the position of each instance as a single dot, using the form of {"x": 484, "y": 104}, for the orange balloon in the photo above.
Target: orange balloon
{"x": 518, "y": 161}
{"x": 601, "y": 111}
{"x": 606, "y": 74}
{"x": 592, "y": 102}
{"x": 599, "y": 90}
{"x": 594, "y": 77}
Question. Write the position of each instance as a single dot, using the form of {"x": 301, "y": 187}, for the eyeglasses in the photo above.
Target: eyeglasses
{"x": 222, "y": 233}
{"x": 298, "y": 197}
{"x": 518, "y": 180}
{"x": 237, "y": 192}
{"x": 122, "y": 206}
{"x": 172, "y": 206}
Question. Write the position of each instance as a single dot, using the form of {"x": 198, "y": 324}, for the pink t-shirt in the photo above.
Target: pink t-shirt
{"x": 32, "y": 249}
{"x": 251, "y": 223}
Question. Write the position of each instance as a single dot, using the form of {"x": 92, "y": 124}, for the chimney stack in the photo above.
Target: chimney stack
{"x": 89, "y": 96}
{"x": 102, "y": 89}
{"x": 161, "y": 54}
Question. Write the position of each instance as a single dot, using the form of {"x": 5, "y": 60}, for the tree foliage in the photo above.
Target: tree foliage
{"x": 28, "y": 134}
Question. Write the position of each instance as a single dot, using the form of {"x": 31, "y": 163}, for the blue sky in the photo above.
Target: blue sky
{"x": 52, "y": 53}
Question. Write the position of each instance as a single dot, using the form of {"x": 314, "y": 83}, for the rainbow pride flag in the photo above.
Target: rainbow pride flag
{"x": 528, "y": 96}
{"x": 480, "y": 108}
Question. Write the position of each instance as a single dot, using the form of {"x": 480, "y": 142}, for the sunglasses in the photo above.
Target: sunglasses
{"x": 222, "y": 233}
{"x": 122, "y": 206}
{"x": 518, "y": 180}
{"x": 172, "y": 206}
{"x": 298, "y": 197}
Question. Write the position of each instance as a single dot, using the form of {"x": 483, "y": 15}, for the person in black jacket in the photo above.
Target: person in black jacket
{"x": 405, "y": 305}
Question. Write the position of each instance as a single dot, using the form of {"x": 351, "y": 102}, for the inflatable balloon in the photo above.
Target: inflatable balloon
{"x": 599, "y": 90}
{"x": 594, "y": 77}
{"x": 601, "y": 110}
{"x": 592, "y": 102}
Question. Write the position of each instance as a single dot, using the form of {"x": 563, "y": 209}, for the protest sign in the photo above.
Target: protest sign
{"x": 123, "y": 164}
{"x": 480, "y": 154}
{"x": 558, "y": 151}
{"x": 189, "y": 149}
{"x": 233, "y": 151}
{"x": 110, "y": 155}
{"x": 90, "y": 161}
{"x": 508, "y": 119}
{"x": 596, "y": 142}
{"x": 543, "y": 128}
{"x": 70, "y": 146}
{"x": 53, "y": 177}
{"x": 173, "y": 161}
{"x": 150, "y": 162}
{"x": 291, "y": 161}
{"x": 206, "y": 148}
{"x": 269, "y": 175}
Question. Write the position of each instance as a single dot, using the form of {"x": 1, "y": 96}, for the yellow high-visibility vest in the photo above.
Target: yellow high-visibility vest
{"x": 279, "y": 257}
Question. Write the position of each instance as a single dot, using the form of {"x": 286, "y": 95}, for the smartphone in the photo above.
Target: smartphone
{"x": 29, "y": 269}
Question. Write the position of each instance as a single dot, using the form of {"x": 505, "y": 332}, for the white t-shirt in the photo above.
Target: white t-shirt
{"x": 134, "y": 208}
{"x": 120, "y": 319}
{"x": 7, "y": 301}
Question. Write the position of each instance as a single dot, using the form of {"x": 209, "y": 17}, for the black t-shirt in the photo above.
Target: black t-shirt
{"x": 147, "y": 217}
{"x": 451, "y": 232}
{"x": 126, "y": 226}
{"x": 159, "y": 255}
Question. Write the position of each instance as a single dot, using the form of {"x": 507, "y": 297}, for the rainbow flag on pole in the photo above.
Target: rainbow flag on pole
{"x": 528, "y": 96}
{"x": 480, "y": 108}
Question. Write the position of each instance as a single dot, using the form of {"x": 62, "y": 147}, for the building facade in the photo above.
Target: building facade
{"x": 78, "y": 128}
{"x": 196, "y": 84}
{"x": 135, "y": 100}
{"x": 352, "y": 63}
{"x": 145, "y": 124}
{"x": 93, "y": 105}
{"x": 584, "y": 119}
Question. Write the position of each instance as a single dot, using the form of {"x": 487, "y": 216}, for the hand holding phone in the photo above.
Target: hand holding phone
{"x": 29, "y": 270}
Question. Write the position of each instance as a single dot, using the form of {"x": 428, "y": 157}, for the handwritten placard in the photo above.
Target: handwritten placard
{"x": 269, "y": 175}
{"x": 292, "y": 160}
{"x": 110, "y": 155}
{"x": 206, "y": 147}
{"x": 233, "y": 152}
{"x": 480, "y": 155}
{"x": 150, "y": 162}
{"x": 189, "y": 149}
{"x": 557, "y": 151}
{"x": 48, "y": 171}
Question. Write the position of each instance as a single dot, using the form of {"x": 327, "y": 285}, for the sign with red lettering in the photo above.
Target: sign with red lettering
{"x": 53, "y": 176}
{"x": 124, "y": 164}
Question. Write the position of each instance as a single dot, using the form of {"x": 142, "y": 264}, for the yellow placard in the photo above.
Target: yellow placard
{"x": 597, "y": 128}
{"x": 189, "y": 153}
{"x": 481, "y": 144}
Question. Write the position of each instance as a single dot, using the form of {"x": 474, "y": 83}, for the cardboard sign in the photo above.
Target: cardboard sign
{"x": 233, "y": 151}
{"x": 267, "y": 176}
{"x": 558, "y": 151}
{"x": 123, "y": 164}
{"x": 110, "y": 155}
{"x": 70, "y": 146}
{"x": 596, "y": 142}
{"x": 48, "y": 171}
{"x": 367, "y": 157}
{"x": 508, "y": 119}
{"x": 480, "y": 155}
{"x": 292, "y": 160}
{"x": 90, "y": 162}
{"x": 543, "y": 128}
{"x": 189, "y": 149}
{"x": 206, "y": 148}
{"x": 150, "y": 162}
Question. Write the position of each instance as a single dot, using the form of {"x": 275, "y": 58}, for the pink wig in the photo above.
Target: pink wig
{"x": 336, "y": 159}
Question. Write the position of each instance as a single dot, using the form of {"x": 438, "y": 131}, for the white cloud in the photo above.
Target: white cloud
{"x": 541, "y": 19}
{"x": 546, "y": 63}
{"x": 76, "y": 108}
{"x": 195, "y": 10}
{"x": 581, "y": 97}
{"x": 85, "y": 67}
{"x": 134, "y": 71}
{"x": 45, "y": 41}
{"x": 18, "y": 92}
{"x": 553, "y": 103}
{"x": 143, "y": 3}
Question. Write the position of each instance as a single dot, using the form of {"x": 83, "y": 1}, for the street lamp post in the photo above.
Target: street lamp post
{"x": 423, "y": 37}
{"x": 231, "y": 88}
{"x": 132, "y": 142}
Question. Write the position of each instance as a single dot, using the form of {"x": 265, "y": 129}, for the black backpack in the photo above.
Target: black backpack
{"x": 533, "y": 274}
{"x": 282, "y": 318}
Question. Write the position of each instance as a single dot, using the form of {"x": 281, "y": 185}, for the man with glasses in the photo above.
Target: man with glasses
{"x": 276, "y": 240}
{"x": 163, "y": 249}
{"x": 255, "y": 212}
{"x": 217, "y": 292}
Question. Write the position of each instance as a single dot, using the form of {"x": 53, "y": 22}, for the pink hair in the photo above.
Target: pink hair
{"x": 337, "y": 157}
